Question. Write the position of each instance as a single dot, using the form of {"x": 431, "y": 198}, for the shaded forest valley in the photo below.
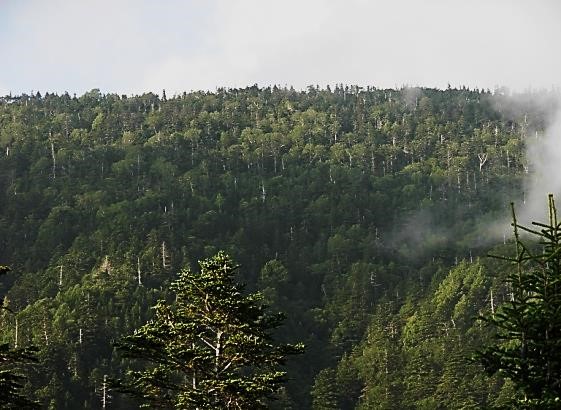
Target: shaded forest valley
{"x": 363, "y": 214}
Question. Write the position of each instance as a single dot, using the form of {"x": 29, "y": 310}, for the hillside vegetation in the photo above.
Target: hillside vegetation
{"x": 363, "y": 214}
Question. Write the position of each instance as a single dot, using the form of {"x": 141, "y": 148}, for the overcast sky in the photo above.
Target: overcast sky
{"x": 134, "y": 46}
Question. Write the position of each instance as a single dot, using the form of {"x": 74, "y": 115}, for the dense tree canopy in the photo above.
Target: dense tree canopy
{"x": 360, "y": 212}
{"x": 211, "y": 348}
{"x": 12, "y": 372}
{"x": 528, "y": 339}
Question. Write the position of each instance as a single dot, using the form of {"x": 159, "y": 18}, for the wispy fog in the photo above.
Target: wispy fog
{"x": 538, "y": 115}
{"x": 543, "y": 150}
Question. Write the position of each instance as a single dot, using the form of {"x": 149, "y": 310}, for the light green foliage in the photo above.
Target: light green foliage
{"x": 324, "y": 392}
{"x": 418, "y": 356}
{"x": 273, "y": 279}
{"x": 211, "y": 348}
{"x": 347, "y": 207}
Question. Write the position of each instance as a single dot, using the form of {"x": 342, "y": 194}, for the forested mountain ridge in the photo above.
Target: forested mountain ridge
{"x": 351, "y": 209}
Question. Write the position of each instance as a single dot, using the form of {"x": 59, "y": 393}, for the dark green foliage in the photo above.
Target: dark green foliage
{"x": 324, "y": 391}
{"x": 527, "y": 345}
{"x": 210, "y": 348}
{"x": 12, "y": 379}
{"x": 347, "y": 207}
{"x": 12, "y": 364}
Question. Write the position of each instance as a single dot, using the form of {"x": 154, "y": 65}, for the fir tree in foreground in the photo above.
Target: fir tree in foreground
{"x": 12, "y": 379}
{"x": 527, "y": 346}
{"x": 210, "y": 348}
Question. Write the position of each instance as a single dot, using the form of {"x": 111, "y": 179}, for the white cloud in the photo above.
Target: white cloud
{"x": 134, "y": 46}
{"x": 380, "y": 43}
{"x": 77, "y": 46}
{"x": 544, "y": 155}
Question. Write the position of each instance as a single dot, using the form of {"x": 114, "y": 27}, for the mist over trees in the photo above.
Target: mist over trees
{"x": 526, "y": 344}
{"x": 361, "y": 213}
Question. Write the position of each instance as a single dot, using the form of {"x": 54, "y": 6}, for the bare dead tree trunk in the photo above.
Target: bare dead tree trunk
{"x": 54, "y": 159}
{"x": 482, "y": 161}
{"x": 16, "y": 336}
{"x": 45, "y": 331}
{"x": 104, "y": 397}
{"x": 138, "y": 270}
{"x": 165, "y": 256}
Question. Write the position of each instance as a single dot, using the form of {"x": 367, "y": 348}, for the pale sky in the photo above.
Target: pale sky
{"x": 135, "y": 46}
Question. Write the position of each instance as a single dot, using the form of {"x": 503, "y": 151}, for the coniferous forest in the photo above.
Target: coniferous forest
{"x": 364, "y": 215}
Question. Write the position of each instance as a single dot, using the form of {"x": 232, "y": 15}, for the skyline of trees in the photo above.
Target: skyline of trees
{"x": 361, "y": 213}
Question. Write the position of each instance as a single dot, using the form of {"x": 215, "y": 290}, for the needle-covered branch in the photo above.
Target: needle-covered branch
{"x": 211, "y": 348}
{"x": 527, "y": 345}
